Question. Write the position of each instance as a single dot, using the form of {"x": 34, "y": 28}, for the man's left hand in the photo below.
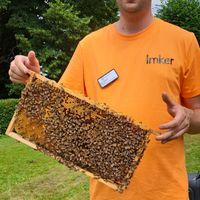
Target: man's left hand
{"x": 180, "y": 122}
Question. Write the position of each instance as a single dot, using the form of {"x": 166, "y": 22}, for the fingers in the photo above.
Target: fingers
{"x": 178, "y": 125}
{"x": 23, "y": 81}
{"x": 173, "y": 133}
{"x": 21, "y": 65}
{"x": 168, "y": 100}
{"x": 173, "y": 123}
{"x": 171, "y": 105}
{"x": 18, "y": 64}
{"x": 32, "y": 62}
{"x": 19, "y": 69}
{"x": 18, "y": 72}
{"x": 175, "y": 136}
{"x": 17, "y": 75}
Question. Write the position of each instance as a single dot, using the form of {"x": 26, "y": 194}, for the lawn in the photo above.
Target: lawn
{"x": 192, "y": 149}
{"x": 26, "y": 174}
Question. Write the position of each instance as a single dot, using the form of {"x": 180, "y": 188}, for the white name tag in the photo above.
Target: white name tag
{"x": 108, "y": 78}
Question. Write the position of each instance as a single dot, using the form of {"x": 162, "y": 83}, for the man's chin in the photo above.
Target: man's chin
{"x": 131, "y": 7}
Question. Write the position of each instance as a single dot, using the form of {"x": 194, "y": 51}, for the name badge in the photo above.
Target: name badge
{"x": 108, "y": 78}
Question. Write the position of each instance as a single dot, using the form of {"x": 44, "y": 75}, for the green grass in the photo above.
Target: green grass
{"x": 26, "y": 174}
{"x": 192, "y": 149}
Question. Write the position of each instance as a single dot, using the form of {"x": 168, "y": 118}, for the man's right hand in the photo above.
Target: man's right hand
{"x": 20, "y": 66}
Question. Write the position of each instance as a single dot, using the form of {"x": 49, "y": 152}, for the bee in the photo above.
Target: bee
{"x": 79, "y": 132}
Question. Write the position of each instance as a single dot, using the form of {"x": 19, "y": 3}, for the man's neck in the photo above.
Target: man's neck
{"x": 131, "y": 23}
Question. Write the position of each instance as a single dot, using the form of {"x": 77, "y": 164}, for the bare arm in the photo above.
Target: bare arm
{"x": 194, "y": 105}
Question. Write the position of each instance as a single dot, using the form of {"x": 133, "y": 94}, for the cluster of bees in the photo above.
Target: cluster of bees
{"x": 80, "y": 133}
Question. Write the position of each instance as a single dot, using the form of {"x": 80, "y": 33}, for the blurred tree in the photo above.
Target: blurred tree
{"x": 53, "y": 36}
{"x": 184, "y": 13}
{"x": 21, "y": 13}
{"x": 52, "y": 28}
{"x": 101, "y": 12}
{"x": 14, "y": 89}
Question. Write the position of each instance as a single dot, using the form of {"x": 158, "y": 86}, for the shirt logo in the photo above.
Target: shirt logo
{"x": 159, "y": 60}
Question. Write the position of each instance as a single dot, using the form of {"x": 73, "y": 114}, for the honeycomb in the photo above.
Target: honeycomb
{"x": 80, "y": 133}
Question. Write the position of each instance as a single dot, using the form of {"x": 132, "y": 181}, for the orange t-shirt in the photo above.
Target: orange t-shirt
{"x": 161, "y": 58}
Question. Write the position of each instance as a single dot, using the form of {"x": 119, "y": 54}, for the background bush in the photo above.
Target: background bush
{"x": 184, "y": 13}
{"x": 7, "y": 107}
{"x": 50, "y": 27}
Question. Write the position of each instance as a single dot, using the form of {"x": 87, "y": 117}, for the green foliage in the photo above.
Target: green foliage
{"x": 14, "y": 89}
{"x": 51, "y": 28}
{"x": 184, "y": 13}
{"x": 53, "y": 34}
{"x": 4, "y": 4}
{"x": 13, "y": 18}
{"x": 7, "y": 42}
{"x": 63, "y": 29}
{"x": 7, "y": 108}
{"x": 101, "y": 12}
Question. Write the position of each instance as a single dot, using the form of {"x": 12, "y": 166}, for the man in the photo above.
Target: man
{"x": 151, "y": 58}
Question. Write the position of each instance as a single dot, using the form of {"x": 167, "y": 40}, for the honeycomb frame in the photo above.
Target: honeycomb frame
{"x": 98, "y": 124}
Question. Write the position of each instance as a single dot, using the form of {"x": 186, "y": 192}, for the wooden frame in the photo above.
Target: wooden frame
{"x": 11, "y": 133}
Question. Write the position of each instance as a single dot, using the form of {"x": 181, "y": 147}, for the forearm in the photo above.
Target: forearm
{"x": 194, "y": 121}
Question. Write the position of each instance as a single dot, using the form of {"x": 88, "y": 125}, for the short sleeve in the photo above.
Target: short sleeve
{"x": 191, "y": 77}
{"x": 73, "y": 77}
